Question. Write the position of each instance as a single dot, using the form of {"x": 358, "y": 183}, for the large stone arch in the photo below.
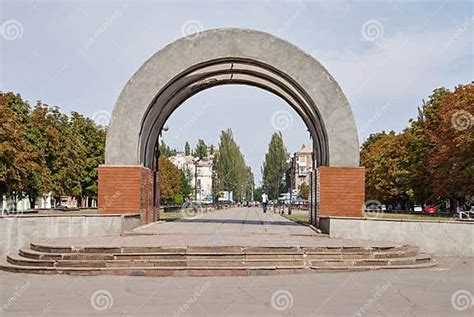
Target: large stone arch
{"x": 220, "y": 57}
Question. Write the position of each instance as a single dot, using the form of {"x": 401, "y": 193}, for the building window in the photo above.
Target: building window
{"x": 302, "y": 170}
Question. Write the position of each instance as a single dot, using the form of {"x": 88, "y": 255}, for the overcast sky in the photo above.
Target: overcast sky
{"x": 386, "y": 55}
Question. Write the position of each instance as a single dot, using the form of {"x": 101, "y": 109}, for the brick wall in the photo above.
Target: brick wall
{"x": 341, "y": 191}
{"x": 126, "y": 189}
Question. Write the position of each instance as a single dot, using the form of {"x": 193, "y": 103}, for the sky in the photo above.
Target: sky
{"x": 387, "y": 56}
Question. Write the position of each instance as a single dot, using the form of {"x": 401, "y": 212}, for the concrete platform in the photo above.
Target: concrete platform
{"x": 229, "y": 227}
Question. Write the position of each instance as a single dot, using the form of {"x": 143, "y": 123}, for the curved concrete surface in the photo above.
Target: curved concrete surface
{"x": 198, "y": 62}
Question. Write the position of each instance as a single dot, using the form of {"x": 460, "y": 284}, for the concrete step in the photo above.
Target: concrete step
{"x": 204, "y": 271}
{"x": 216, "y": 249}
{"x": 216, "y": 262}
{"x": 209, "y": 260}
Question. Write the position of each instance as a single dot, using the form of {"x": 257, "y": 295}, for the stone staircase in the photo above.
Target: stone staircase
{"x": 210, "y": 260}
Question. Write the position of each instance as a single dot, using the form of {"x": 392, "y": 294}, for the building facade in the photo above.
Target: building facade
{"x": 300, "y": 165}
{"x": 201, "y": 171}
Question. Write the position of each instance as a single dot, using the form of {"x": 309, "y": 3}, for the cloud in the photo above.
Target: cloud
{"x": 399, "y": 71}
{"x": 397, "y": 65}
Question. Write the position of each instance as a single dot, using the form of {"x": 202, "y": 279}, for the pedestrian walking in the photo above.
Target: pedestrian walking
{"x": 264, "y": 202}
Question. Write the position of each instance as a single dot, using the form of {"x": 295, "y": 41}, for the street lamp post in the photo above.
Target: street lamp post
{"x": 196, "y": 161}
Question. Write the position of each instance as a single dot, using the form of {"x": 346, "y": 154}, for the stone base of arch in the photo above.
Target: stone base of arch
{"x": 125, "y": 189}
{"x": 129, "y": 189}
{"x": 340, "y": 191}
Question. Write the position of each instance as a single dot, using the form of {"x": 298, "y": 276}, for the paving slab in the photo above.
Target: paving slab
{"x": 228, "y": 227}
{"x": 423, "y": 292}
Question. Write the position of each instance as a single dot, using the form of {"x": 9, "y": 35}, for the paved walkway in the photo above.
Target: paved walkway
{"x": 424, "y": 292}
{"x": 228, "y": 227}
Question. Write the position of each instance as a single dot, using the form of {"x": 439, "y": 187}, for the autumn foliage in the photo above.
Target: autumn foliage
{"x": 431, "y": 160}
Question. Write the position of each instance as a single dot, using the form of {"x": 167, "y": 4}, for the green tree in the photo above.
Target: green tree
{"x": 186, "y": 181}
{"x": 166, "y": 151}
{"x": 232, "y": 174}
{"x": 92, "y": 140}
{"x": 275, "y": 166}
{"x": 187, "y": 149}
{"x": 201, "y": 149}
{"x": 170, "y": 181}
{"x": 18, "y": 158}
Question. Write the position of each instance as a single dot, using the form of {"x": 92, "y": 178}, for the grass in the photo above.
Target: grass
{"x": 175, "y": 215}
{"x": 304, "y": 218}
{"x": 171, "y": 215}
{"x": 300, "y": 218}
{"x": 408, "y": 217}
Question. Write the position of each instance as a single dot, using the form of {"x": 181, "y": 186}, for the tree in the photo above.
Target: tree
{"x": 201, "y": 149}
{"x": 18, "y": 158}
{"x": 385, "y": 157}
{"x": 275, "y": 166}
{"x": 232, "y": 174}
{"x": 429, "y": 161}
{"x": 186, "y": 181}
{"x": 187, "y": 149}
{"x": 92, "y": 140}
{"x": 166, "y": 151}
{"x": 449, "y": 128}
{"x": 170, "y": 181}
{"x": 303, "y": 189}
{"x": 211, "y": 149}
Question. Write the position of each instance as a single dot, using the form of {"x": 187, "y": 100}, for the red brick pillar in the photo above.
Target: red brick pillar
{"x": 341, "y": 191}
{"x": 126, "y": 189}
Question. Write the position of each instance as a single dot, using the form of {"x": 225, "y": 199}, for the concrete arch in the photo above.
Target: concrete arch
{"x": 230, "y": 56}
{"x": 128, "y": 180}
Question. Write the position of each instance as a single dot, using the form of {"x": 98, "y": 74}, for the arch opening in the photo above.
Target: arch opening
{"x": 229, "y": 71}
